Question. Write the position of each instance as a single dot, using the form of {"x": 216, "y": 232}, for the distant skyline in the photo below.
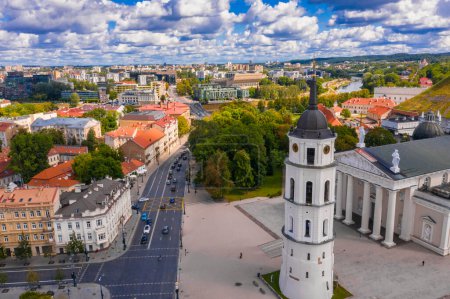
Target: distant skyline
{"x": 97, "y": 32}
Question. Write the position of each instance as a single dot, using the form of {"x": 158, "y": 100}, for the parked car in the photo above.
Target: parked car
{"x": 165, "y": 230}
{"x": 179, "y": 164}
{"x": 135, "y": 206}
{"x": 172, "y": 200}
{"x": 168, "y": 182}
{"x": 147, "y": 229}
{"x": 144, "y": 239}
{"x": 148, "y": 221}
{"x": 174, "y": 180}
{"x": 173, "y": 166}
{"x": 142, "y": 199}
{"x": 144, "y": 216}
{"x": 184, "y": 157}
{"x": 179, "y": 168}
{"x": 170, "y": 171}
{"x": 173, "y": 188}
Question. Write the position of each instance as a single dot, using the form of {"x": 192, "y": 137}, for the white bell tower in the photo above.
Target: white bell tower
{"x": 307, "y": 267}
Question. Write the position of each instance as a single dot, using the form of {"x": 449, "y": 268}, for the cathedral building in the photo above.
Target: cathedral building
{"x": 308, "y": 238}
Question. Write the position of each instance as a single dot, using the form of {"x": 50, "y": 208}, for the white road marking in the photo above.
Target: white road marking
{"x": 34, "y": 269}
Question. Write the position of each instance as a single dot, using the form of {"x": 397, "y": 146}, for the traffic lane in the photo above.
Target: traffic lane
{"x": 18, "y": 277}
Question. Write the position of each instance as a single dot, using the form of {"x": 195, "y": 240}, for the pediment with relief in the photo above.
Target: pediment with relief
{"x": 355, "y": 160}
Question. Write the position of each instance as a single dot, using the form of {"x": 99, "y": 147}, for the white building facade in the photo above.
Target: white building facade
{"x": 95, "y": 215}
{"x": 398, "y": 94}
{"x": 138, "y": 97}
{"x": 308, "y": 259}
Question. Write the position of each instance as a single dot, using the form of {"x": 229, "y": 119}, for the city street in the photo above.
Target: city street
{"x": 148, "y": 270}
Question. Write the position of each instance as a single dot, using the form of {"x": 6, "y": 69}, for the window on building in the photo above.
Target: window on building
{"x": 89, "y": 236}
{"x": 99, "y": 222}
{"x": 307, "y": 227}
{"x": 6, "y": 238}
{"x": 60, "y": 238}
{"x": 79, "y": 236}
{"x": 42, "y": 237}
{"x": 308, "y": 257}
{"x": 16, "y": 214}
{"x": 323, "y": 255}
{"x": 47, "y": 213}
{"x": 2, "y": 216}
{"x": 290, "y": 269}
{"x": 38, "y": 213}
{"x": 24, "y": 214}
{"x": 308, "y": 196}
{"x": 35, "y": 237}
{"x": 27, "y": 237}
{"x": 292, "y": 252}
{"x": 33, "y": 225}
{"x": 40, "y": 225}
{"x": 101, "y": 236}
{"x": 291, "y": 195}
{"x": 58, "y": 226}
{"x": 31, "y": 213}
{"x": 49, "y": 225}
{"x": 326, "y": 195}
{"x": 291, "y": 224}
{"x": 19, "y": 237}
{"x": 310, "y": 156}
{"x": 88, "y": 224}
{"x": 323, "y": 273}
{"x": 69, "y": 225}
{"x": 307, "y": 275}
{"x": 77, "y": 225}
{"x": 325, "y": 228}
{"x": 18, "y": 225}
{"x": 4, "y": 227}
{"x": 25, "y": 226}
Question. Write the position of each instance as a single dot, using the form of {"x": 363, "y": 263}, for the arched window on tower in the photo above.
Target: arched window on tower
{"x": 326, "y": 194}
{"x": 325, "y": 227}
{"x": 308, "y": 195}
{"x": 307, "y": 228}
{"x": 291, "y": 224}
{"x": 291, "y": 195}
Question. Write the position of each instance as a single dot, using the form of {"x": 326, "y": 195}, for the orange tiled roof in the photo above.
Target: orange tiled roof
{"x": 4, "y": 153}
{"x": 59, "y": 170}
{"x": 4, "y": 169}
{"x": 379, "y": 110}
{"x": 68, "y": 150}
{"x": 130, "y": 166}
{"x": 145, "y": 138}
{"x": 124, "y": 132}
{"x": 173, "y": 108}
{"x": 28, "y": 196}
{"x": 331, "y": 119}
{"x": 165, "y": 121}
{"x": 371, "y": 101}
{"x": 5, "y": 126}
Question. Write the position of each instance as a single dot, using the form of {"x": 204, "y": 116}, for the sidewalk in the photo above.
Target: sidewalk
{"x": 116, "y": 249}
{"x": 82, "y": 291}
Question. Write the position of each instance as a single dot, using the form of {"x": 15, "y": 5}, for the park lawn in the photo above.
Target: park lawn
{"x": 339, "y": 291}
{"x": 270, "y": 187}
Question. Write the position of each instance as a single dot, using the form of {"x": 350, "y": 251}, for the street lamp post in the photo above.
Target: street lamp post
{"x": 123, "y": 233}
{"x": 101, "y": 289}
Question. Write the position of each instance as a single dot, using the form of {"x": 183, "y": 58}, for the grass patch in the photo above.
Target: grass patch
{"x": 270, "y": 187}
{"x": 273, "y": 278}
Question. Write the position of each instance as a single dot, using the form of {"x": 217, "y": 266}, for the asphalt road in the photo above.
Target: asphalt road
{"x": 140, "y": 272}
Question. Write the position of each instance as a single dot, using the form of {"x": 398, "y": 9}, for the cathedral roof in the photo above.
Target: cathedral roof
{"x": 428, "y": 128}
{"x": 312, "y": 124}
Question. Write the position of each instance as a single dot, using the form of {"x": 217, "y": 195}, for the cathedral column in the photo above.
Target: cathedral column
{"x": 340, "y": 182}
{"x": 349, "y": 201}
{"x": 377, "y": 215}
{"x": 365, "y": 209}
{"x": 444, "y": 236}
{"x": 408, "y": 215}
{"x": 390, "y": 219}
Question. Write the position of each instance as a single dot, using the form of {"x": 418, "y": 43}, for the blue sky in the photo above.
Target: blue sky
{"x": 55, "y": 32}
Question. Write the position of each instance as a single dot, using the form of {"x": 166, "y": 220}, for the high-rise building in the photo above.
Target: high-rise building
{"x": 307, "y": 267}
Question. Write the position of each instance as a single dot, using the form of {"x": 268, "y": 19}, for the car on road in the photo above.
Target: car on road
{"x": 168, "y": 182}
{"x": 173, "y": 188}
{"x": 170, "y": 171}
{"x": 179, "y": 168}
{"x": 148, "y": 221}
{"x": 184, "y": 157}
{"x": 142, "y": 199}
{"x": 144, "y": 239}
{"x": 172, "y": 200}
{"x": 173, "y": 166}
{"x": 144, "y": 216}
{"x": 174, "y": 180}
{"x": 147, "y": 229}
{"x": 179, "y": 164}
{"x": 165, "y": 230}
{"x": 135, "y": 206}
{"x": 162, "y": 207}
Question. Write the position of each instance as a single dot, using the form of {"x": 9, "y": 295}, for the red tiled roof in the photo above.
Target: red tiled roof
{"x": 165, "y": 121}
{"x": 28, "y": 196}
{"x": 130, "y": 166}
{"x": 124, "y": 132}
{"x": 79, "y": 111}
{"x": 4, "y": 169}
{"x": 145, "y": 138}
{"x": 331, "y": 119}
{"x": 371, "y": 101}
{"x": 67, "y": 150}
{"x": 379, "y": 110}
{"x": 173, "y": 108}
{"x": 5, "y": 126}
{"x": 63, "y": 169}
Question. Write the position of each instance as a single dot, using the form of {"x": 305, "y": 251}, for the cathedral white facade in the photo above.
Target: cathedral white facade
{"x": 308, "y": 238}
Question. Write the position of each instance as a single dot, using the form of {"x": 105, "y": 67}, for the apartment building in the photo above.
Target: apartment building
{"x": 138, "y": 97}
{"x": 145, "y": 146}
{"x": 95, "y": 215}
{"x": 362, "y": 105}
{"x": 28, "y": 213}
{"x": 7, "y": 132}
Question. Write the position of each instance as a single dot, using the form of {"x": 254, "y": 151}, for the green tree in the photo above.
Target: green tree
{"x": 379, "y": 136}
{"x": 2, "y": 252}
{"x": 57, "y": 136}
{"x": 345, "y": 113}
{"x": 59, "y": 275}
{"x": 217, "y": 174}
{"x": 346, "y": 138}
{"x": 23, "y": 251}
{"x": 183, "y": 126}
{"x": 91, "y": 141}
{"x": 242, "y": 170}
{"x": 112, "y": 94}
{"x": 261, "y": 106}
{"x": 108, "y": 119}
{"x": 3, "y": 279}
{"x": 74, "y": 99}
{"x": 34, "y": 295}
{"x": 163, "y": 99}
{"x": 32, "y": 277}
{"x": 129, "y": 108}
{"x": 28, "y": 153}
{"x": 74, "y": 246}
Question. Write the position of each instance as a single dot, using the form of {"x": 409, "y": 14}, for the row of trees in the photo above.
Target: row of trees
{"x": 376, "y": 79}
{"x": 186, "y": 86}
{"x": 108, "y": 119}
{"x": 238, "y": 145}
{"x": 436, "y": 71}
{"x": 18, "y": 109}
{"x": 42, "y": 92}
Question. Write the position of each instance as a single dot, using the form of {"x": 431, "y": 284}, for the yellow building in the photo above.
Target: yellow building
{"x": 158, "y": 86}
{"x": 28, "y": 212}
{"x": 123, "y": 86}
